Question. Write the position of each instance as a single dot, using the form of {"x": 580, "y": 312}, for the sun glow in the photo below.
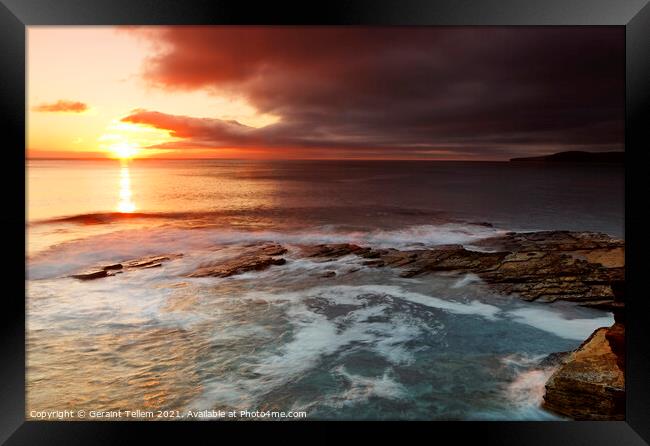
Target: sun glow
{"x": 125, "y": 141}
{"x": 123, "y": 151}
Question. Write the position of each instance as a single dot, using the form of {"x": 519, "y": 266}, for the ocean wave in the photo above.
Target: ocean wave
{"x": 98, "y": 218}
{"x": 524, "y": 393}
{"x": 213, "y": 216}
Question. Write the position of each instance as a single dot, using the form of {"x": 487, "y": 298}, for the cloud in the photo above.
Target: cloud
{"x": 62, "y": 106}
{"x": 482, "y": 92}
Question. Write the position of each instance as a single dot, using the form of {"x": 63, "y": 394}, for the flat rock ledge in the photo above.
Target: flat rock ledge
{"x": 117, "y": 268}
{"x": 545, "y": 266}
{"x": 257, "y": 259}
{"x": 590, "y": 384}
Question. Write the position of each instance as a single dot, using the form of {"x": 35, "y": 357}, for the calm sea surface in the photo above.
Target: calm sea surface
{"x": 367, "y": 345}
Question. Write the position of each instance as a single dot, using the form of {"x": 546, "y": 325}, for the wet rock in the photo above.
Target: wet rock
{"x": 117, "y": 268}
{"x": 236, "y": 266}
{"x": 273, "y": 250}
{"x": 370, "y": 254}
{"x": 91, "y": 275}
{"x": 257, "y": 259}
{"x": 551, "y": 241}
{"x": 555, "y": 359}
{"x": 453, "y": 258}
{"x": 590, "y": 385}
{"x": 618, "y": 306}
{"x": 552, "y": 275}
{"x": 605, "y": 305}
{"x": 616, "y": 338}
{"x": 545, "y": 266}
{"x": 149, "y": 261}
{"x": 333, "y": 250}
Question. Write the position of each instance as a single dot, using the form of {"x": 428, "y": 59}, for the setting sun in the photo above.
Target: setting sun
{"x": 125, "y": 141}
{"x": 123, "y": 150}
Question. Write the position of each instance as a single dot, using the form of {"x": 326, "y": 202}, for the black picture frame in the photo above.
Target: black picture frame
{"x": 634, "y": 15}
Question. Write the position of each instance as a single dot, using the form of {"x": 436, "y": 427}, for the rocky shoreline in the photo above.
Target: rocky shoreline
{"x": 586, "y": 268}
{"x": 590, "y": 381}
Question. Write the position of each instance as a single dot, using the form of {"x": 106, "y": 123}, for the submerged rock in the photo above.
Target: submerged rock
{"x": 590, "y": 385}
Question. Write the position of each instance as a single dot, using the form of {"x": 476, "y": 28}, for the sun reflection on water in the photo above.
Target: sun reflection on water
{"x": 126, "y": 204}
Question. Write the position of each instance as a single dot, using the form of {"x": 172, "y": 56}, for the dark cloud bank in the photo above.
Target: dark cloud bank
{"x": 448, "y": 93}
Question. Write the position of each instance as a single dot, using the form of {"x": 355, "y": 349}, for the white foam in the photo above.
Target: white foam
{"x": 363, "y": 387}
{"x": 467, "y": 279}
{"x": 521, "y": 361}
{"x": 472, "y": 308}
{"x": 431, "y": 235}
{"x": 526, "y": 393}
{"x": 355, "y": 294}
{"x": 316, "y": 336}
{"x": 121, "y": 300}
{"x": 218, "y": 393}
{"x": 555, "y": 322}
{"x": 523, "y": 396}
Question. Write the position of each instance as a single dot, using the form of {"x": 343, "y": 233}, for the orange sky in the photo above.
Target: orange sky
{"x": 458, "y": 93}
{"x": 100, "y": 67}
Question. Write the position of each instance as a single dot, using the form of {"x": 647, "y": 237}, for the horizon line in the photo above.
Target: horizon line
{"x": 259, "y": 159}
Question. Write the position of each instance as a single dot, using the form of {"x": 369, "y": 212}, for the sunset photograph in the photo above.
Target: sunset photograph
{"x": 247, "y": 223}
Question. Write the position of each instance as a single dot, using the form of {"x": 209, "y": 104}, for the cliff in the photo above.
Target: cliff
{"x": 590, "y": 384}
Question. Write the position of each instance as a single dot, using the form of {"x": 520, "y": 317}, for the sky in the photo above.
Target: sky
{"x": 439, "y": 93}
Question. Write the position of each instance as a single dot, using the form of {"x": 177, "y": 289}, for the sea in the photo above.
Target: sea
{"x": 365, "y": 344}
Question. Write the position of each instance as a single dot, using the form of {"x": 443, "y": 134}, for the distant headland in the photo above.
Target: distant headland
{"x": 576, "y": 157}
